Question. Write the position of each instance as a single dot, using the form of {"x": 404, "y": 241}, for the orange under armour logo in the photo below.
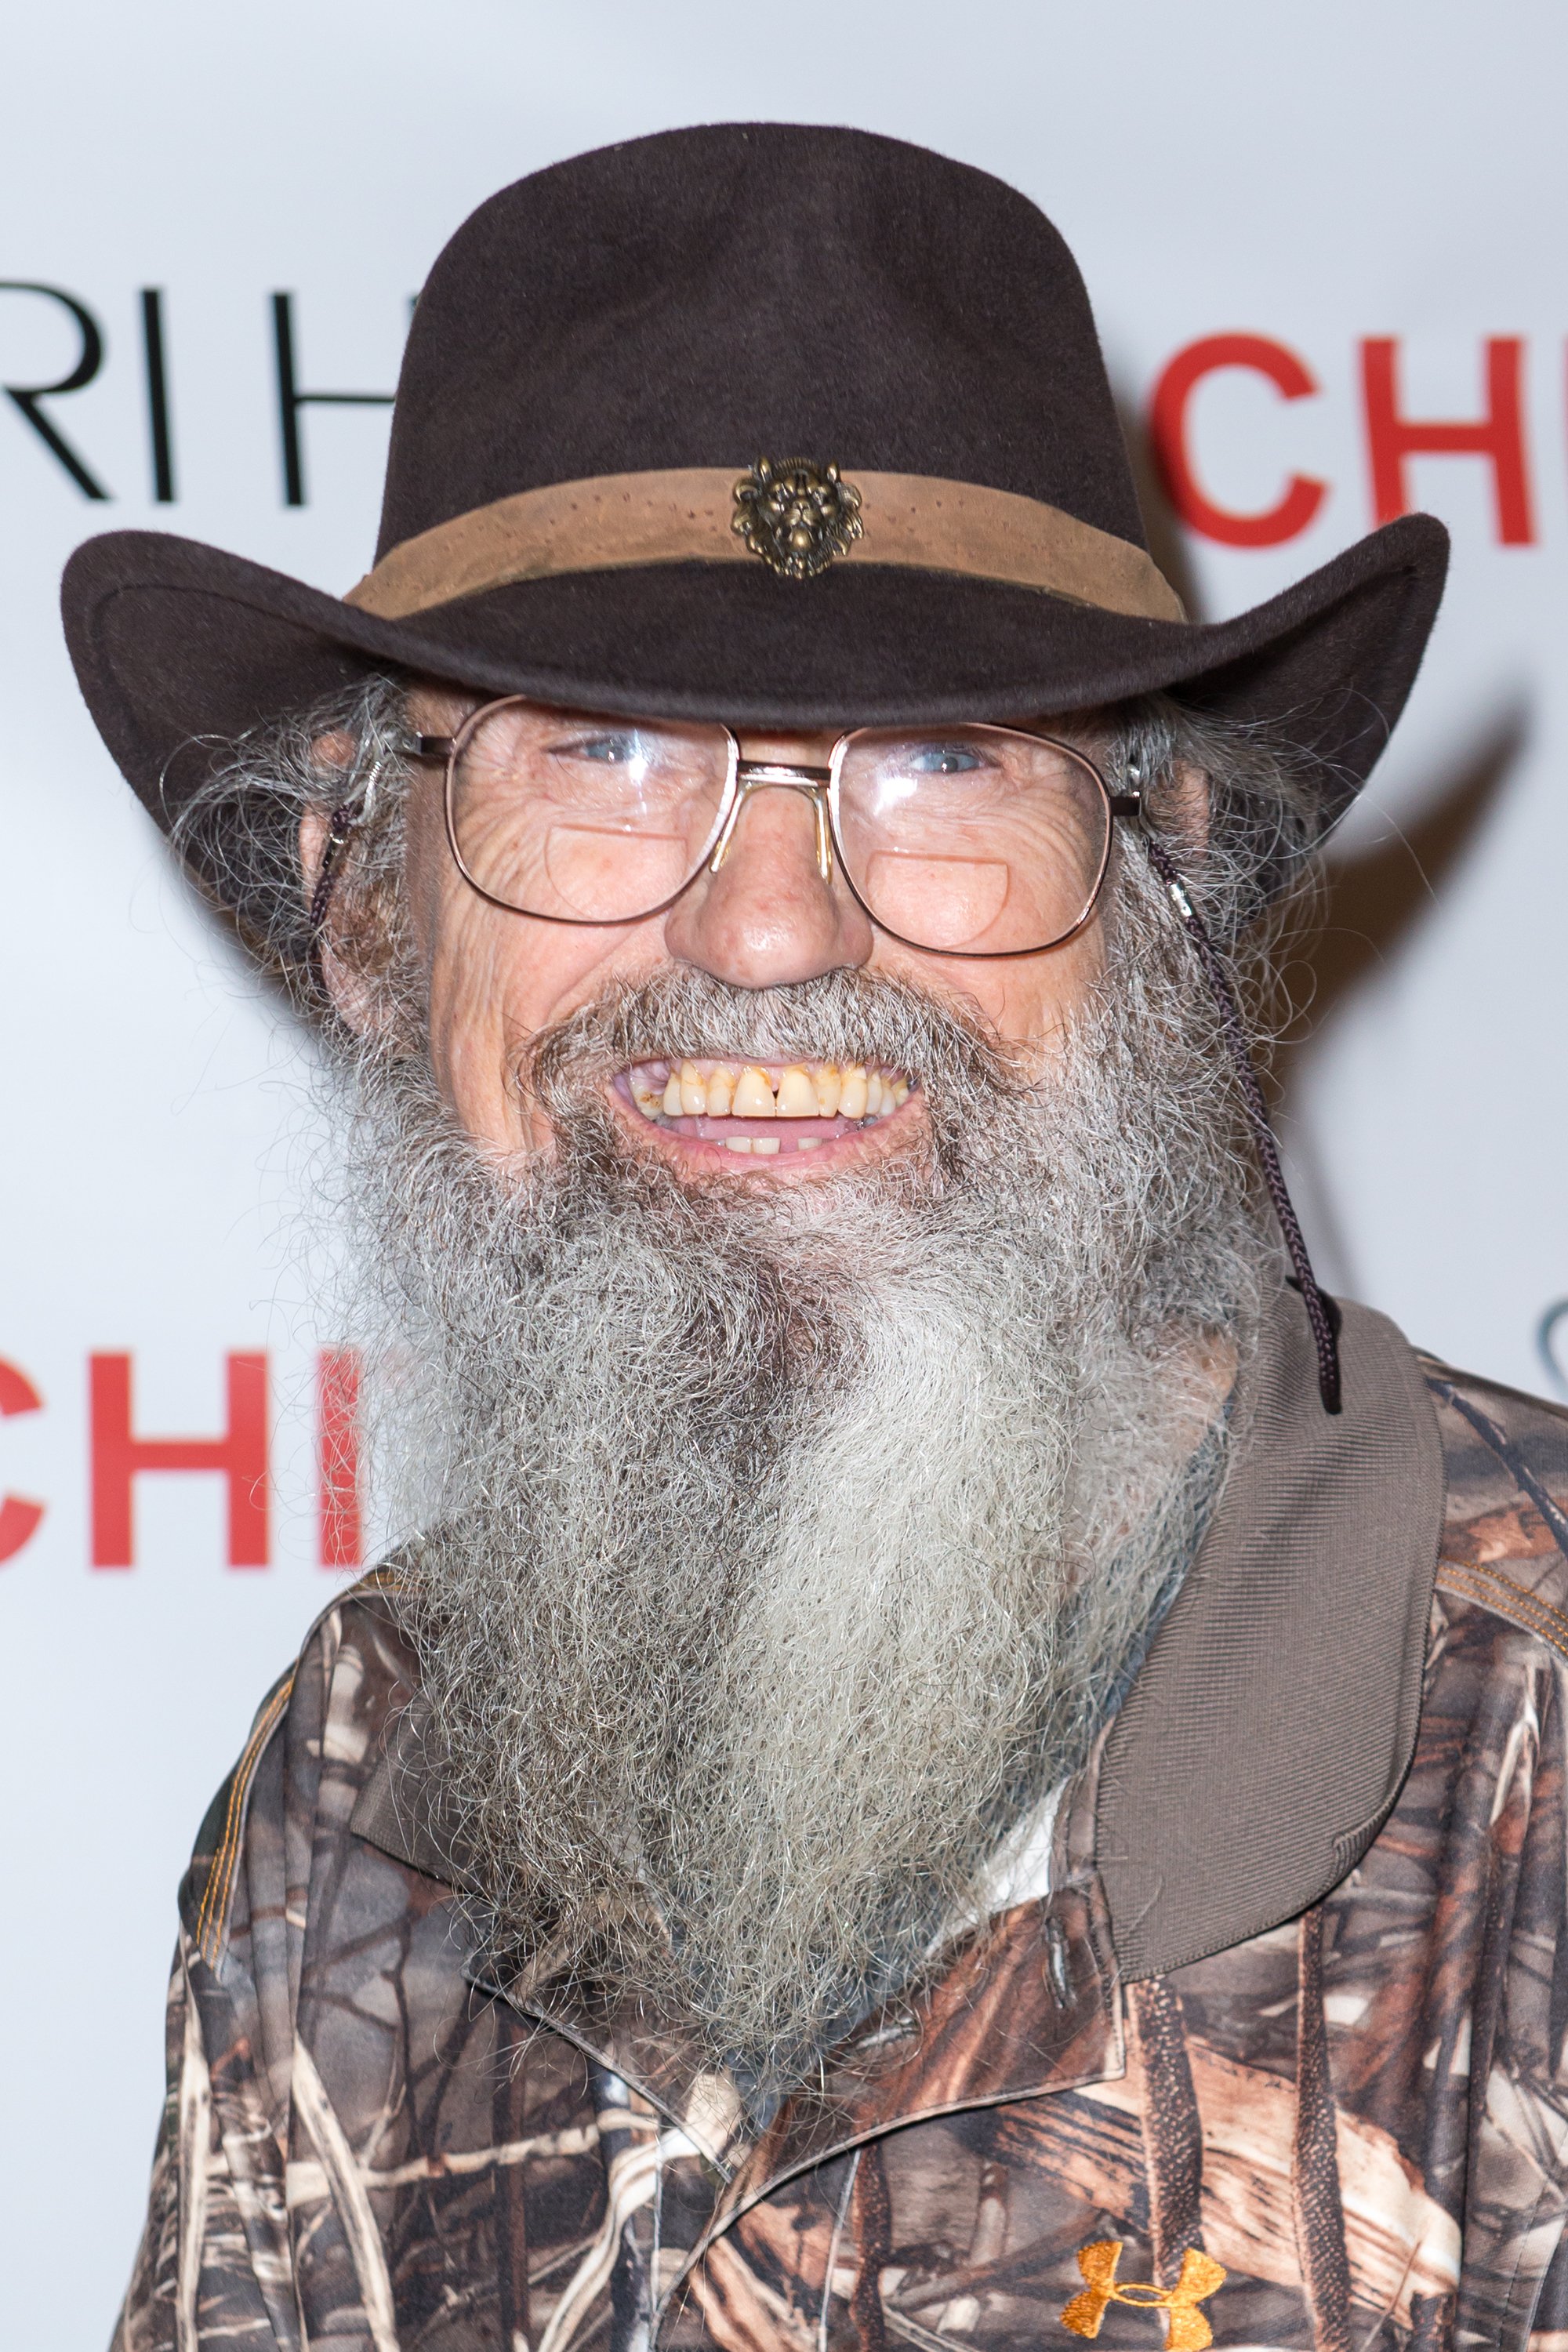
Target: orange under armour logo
{"x": 1186, "y": 2329}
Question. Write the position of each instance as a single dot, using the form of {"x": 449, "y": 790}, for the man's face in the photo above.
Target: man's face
{"x": 766, "y": 918}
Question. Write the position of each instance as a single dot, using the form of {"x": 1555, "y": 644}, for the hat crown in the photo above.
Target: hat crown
{"x": 700, "y": 297}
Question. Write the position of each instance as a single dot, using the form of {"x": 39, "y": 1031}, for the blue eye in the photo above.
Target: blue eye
{"x": 942, "y": 759}
{"x": 612, "y": 751}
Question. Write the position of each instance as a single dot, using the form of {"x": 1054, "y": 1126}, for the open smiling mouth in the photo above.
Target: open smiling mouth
{"x": 762, "y": 1110}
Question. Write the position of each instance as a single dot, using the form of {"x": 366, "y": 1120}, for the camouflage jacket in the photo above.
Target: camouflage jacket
{"x": 1270, "y": 2052}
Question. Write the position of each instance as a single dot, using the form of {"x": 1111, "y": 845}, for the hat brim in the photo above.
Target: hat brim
{"x": 178, "y": 645}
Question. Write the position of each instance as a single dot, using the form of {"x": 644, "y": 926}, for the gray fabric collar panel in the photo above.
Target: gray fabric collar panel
{"x": 1272, "y": 1725}
{"x": 1269, "y": 1730}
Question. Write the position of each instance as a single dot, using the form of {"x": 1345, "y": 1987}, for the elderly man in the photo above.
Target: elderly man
{"x": 958, "y": 1757}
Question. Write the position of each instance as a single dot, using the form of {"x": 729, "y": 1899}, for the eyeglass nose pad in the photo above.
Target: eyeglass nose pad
{"x": 721, "y": 846}
{"x": 816, "y": 793}
{"x": 824, "y": 832}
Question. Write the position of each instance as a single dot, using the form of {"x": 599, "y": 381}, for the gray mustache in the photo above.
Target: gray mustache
{"x": 843, "y": 1016}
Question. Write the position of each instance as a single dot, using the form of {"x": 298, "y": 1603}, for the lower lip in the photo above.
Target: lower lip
{"x": 825, "y": 1140}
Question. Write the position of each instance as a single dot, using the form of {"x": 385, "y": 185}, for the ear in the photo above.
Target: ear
{"x": 352, "y": 997}
{"x": 1185, "y": 806}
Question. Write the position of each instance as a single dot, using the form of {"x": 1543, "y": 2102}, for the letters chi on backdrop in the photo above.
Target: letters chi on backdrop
{"x": 120, "y": 1452}
{"x": 1497, "y": 433}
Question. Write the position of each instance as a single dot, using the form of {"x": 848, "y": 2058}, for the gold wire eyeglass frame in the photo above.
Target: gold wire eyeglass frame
{"x": 819, "y": 785}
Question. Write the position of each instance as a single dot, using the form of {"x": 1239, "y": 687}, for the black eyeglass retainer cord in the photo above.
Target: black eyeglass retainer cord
{"x": 340, "y": 824}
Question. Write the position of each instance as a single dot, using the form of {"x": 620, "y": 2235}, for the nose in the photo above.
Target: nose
{"x": 770, "y": 916}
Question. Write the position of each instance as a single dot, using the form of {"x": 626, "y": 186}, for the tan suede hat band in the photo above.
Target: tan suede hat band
{"x": 915, "y": 520}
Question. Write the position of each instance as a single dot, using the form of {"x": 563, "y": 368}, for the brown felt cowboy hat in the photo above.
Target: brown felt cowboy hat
{"x": 577, "y": 507}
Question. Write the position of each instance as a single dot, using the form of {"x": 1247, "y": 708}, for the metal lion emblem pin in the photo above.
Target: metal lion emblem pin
{"x": 796, "y": 516}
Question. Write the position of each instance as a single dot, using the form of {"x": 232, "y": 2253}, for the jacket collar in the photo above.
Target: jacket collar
{"x": 1267, "y": 1736}
{"x": 1260, "y": 1749}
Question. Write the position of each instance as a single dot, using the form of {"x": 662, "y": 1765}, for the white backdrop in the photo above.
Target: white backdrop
{"x": 1318, "y": 179}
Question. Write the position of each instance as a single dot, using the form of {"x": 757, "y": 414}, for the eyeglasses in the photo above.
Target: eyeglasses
{"x": 965, "y": 841}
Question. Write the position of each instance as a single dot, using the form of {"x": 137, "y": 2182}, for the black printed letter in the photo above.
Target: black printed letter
{"x": 291, "y": 400}
{"x": 157, "y": 395}
{"x": 27, "y": 396}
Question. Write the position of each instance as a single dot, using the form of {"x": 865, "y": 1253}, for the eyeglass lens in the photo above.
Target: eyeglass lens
{"x": 969, "y": 840}
{"x": 585, "y": 820}
{"x": 972, "y": 840}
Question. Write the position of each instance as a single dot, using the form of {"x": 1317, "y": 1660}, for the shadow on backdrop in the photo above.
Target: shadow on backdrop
{"x": 1374, "y": 897}
{"x": 1368, "y": 907}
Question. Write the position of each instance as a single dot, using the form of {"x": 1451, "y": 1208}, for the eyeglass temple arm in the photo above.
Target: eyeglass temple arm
{"x": 345, "y": 815}
{"x": 1322, "y": 1314}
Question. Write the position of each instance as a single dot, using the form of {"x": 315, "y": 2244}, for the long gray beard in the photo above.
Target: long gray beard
{"x": 783, "y": 1545}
